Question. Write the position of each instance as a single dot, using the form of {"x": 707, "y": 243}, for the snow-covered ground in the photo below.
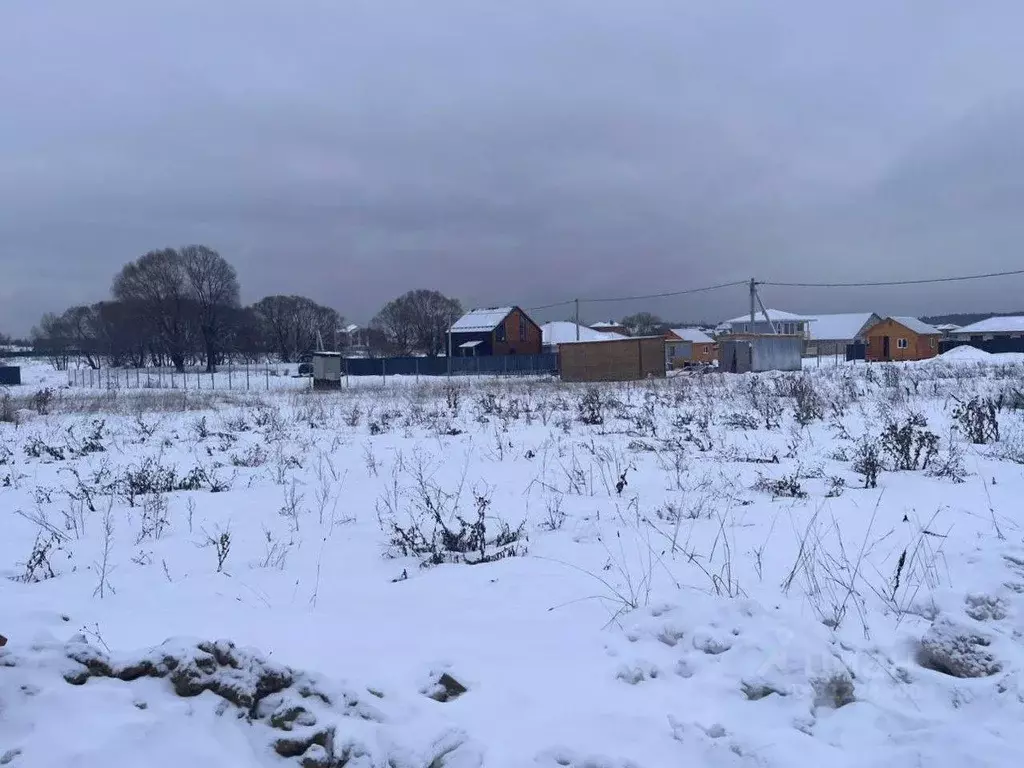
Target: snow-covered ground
{"x": 683, "y": 572}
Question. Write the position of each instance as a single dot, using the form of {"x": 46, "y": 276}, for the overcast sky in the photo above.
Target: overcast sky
{"x": 516, "y": 152}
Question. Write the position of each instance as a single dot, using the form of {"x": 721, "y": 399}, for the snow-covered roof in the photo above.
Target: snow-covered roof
{"x": 947, "y": 327}
{"x": 481, "y": 320}
{"x": 776, "y": 315}
{"x": 605, "y": 324}
{"x": 916, "y": 325}
{"x": 351, "y": 328}
{"x": 562, "y": 332}
{"x": 839, "y": 327}
{"x": 470, "y": 344}
{"x": 694, "y": 335}
{"x": 1013, "y": 324}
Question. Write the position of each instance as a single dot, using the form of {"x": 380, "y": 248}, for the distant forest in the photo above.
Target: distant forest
{"x": 966, "y": 318}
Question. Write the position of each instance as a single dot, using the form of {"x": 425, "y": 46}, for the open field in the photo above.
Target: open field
{"x": 823, "y": 568}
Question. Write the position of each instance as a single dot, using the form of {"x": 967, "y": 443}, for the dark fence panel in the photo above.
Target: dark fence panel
{"x": 518, "y": 365}
{"x": 10, "y": 375}
{"x": 856, "y": 351}
{"x": 996, "y": 345}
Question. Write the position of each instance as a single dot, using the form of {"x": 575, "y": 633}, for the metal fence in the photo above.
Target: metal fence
{"x": 275, "y": 377}
{"x": 231, "y": 378}
{"x": 496, "y": 365}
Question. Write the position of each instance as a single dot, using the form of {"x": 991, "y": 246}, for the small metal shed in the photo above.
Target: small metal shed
{"x": 326, "y": 370}
{"x": 753, "y": 353}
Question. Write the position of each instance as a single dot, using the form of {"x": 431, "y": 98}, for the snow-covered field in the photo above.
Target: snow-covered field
{"x": 519, "y": 573}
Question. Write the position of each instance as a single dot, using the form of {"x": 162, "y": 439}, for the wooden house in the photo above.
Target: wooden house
{"x": 901, "y": 338}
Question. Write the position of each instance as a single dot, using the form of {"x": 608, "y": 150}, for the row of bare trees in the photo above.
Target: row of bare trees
{"x": 178, "y": 307}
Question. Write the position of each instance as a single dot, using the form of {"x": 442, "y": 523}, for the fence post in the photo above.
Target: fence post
{"x": 347, "y": 385}
{"x": 417, "y": 370}
{"x": 384, "y": 370}
{"x": 268, "y": 375}
{"x": 229, "y": 376}
{"x": 246, "y": 375}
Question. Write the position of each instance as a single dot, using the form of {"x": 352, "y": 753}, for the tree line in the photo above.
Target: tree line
{"x": 182, "y": 306}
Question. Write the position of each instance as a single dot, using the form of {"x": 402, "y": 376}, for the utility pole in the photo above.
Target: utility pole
{"x": 753, "y": 302}
{"x": 577, "y": 319}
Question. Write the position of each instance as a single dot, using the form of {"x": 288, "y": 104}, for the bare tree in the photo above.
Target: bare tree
{"x": 159, "y": 284}
{"x": 213, "y": 284}
{"x": 293, "y": 325}
{"x": 418, "y": 321}
{"x": 644, "y": 324}
{"x": 52, "y": 338}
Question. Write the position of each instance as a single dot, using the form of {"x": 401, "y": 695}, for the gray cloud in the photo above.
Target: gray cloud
{"x": 518, "y": 152}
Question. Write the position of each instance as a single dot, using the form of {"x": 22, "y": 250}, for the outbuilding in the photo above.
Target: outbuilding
{"x": 755, "y": 353}
{"x": 628, "y": 359}
{"x": 326, "y": 370}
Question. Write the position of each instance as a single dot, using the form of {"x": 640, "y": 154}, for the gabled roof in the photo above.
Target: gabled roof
{"x": 915, "y": 325}
{"x": 694, "y": 335}
{"x": 481, "y": 320}
{"x": 562, "y": 332}
{"x": 840, "y": 327}
{"x": 1014, "y": 324}
{"x": 776, "y": 315}
{"x": 605, "y": 324}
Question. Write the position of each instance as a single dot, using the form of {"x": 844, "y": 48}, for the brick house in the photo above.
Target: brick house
{"x": 689, "y": 346}
{"x": 901, "y": 338}
{"x": 495, "y": 331}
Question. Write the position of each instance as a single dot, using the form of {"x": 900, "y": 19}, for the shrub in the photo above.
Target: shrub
{"x": 867, "y": 462}
{"x": 437, "y": 533}
{"x": 591, "y": 408}
{"x": 783, "y": 487}
{"x": 809, "y": 405}
{"x": 42, "y": 401}
{"x": 977, "y": 420}
{"x": 910, "y": 445}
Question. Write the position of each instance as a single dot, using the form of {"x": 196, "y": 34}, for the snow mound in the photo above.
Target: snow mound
{"x": 966, "y": 353}
{"x": 958, "y": 650}
{"x": 286, "y": 713}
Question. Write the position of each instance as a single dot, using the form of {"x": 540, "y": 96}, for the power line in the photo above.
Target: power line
{"x": 880, "y": 283}
{"x": 550, "y": 306}
{"x": 667, "y": 294}
{"x": 781, "y": 284}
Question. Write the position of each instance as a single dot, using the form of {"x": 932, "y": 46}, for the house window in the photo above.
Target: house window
{"x": 901, "y": 344}
{"x": 522, "y": 329}
{"x": 499, "y": 332}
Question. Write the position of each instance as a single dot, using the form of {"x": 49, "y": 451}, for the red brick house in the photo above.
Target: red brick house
{"x": 495, "y": 331}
